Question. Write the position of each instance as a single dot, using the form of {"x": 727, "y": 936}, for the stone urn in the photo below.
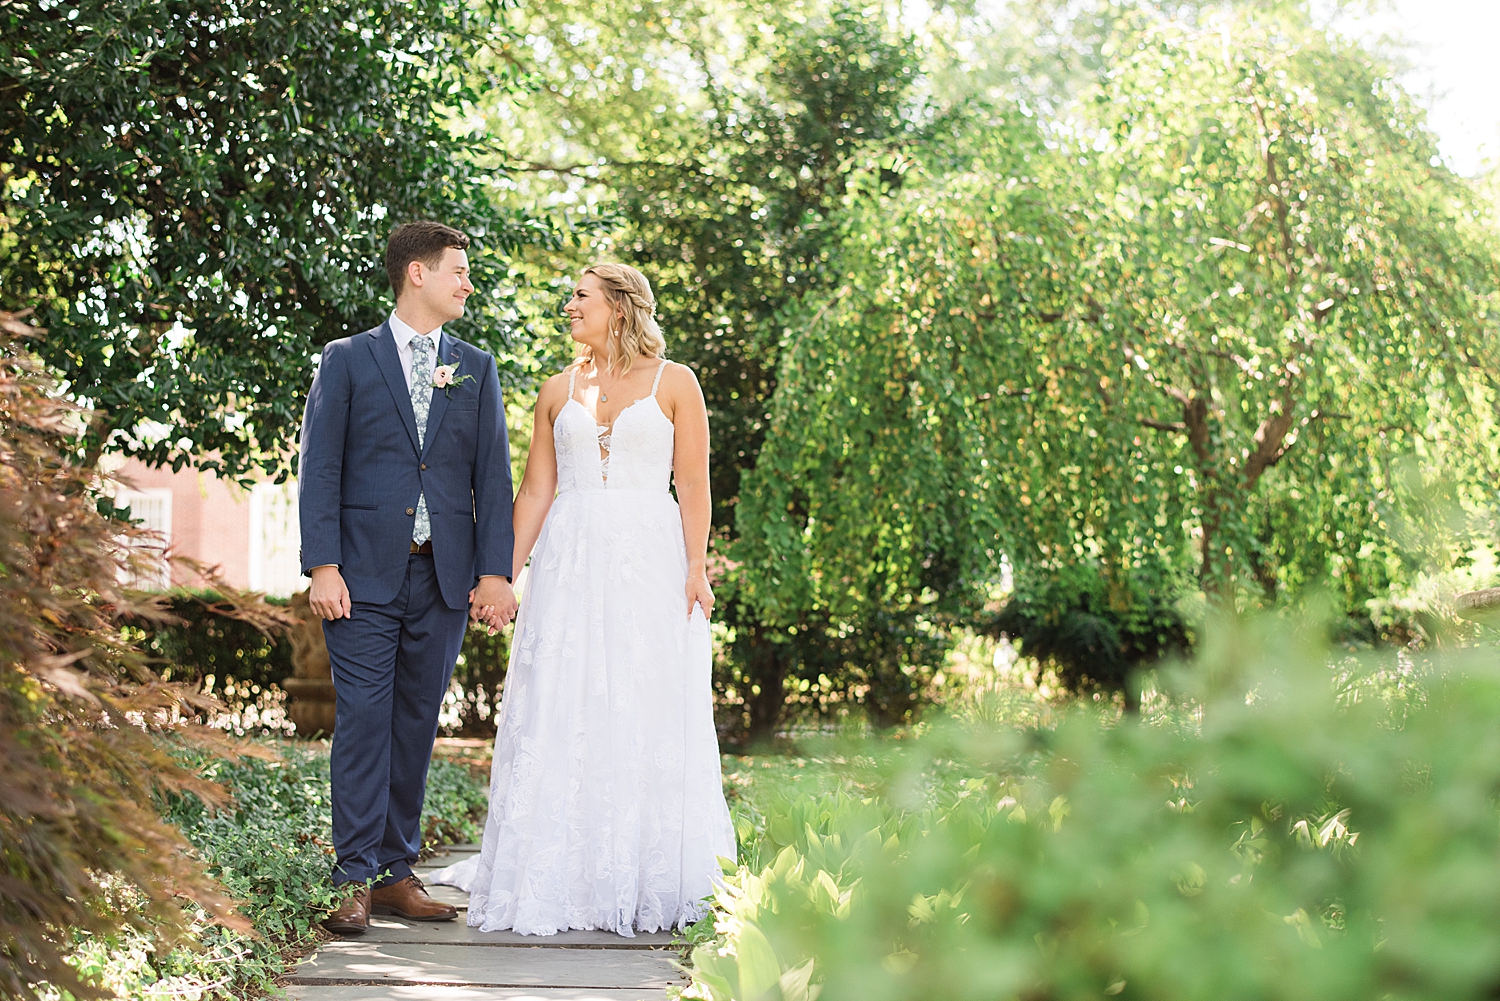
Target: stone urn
{"x": 310, "y": 703}
{"x": 1481, "y": 606}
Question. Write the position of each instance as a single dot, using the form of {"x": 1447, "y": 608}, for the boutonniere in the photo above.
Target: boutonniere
{"x": 445, "y": 377}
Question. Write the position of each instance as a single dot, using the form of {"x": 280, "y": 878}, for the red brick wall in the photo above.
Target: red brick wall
{"x": 210, "y": 518}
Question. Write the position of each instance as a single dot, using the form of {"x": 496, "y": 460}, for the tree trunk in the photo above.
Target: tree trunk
{"x": 101, "y": 425}
{"x": 767, "y": 664}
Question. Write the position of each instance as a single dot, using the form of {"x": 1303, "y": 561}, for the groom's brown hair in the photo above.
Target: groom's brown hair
{"x": 422, "y": 241}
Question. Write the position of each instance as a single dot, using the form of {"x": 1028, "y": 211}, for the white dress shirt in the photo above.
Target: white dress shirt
{"x": 405, "y": 334}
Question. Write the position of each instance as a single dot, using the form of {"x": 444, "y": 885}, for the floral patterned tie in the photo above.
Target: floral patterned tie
{"x": 421, "y": 403}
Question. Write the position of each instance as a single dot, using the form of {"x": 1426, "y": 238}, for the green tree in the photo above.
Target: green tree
{"x": 742, "y": 231}
{"x": 1180, "y": 341}
{"x": 877, "y": 491}
{"x": 1298, "y": 292}
{"x": 196, "y": 194}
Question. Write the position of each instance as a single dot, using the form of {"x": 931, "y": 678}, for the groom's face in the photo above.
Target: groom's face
{"x": 442, "y": 289}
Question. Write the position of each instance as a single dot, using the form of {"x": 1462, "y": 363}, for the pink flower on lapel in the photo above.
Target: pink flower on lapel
{"x": 445, "y": 377}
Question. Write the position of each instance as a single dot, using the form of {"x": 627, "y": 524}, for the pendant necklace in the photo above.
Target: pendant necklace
{"x": 603, "y": 393}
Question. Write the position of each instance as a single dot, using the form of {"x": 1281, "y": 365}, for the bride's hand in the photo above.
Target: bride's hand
{"x": 493, "y": 603}
{"x": 699, "y": 593}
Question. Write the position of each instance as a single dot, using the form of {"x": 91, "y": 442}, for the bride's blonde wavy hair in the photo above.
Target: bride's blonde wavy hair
{"x": 636, "y": 333}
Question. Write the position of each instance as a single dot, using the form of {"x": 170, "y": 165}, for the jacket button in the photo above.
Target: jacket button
{"x": 424, "y": 465}
{"x": 411, "y": 510}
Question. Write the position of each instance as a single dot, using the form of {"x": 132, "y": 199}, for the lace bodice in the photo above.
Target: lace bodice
{"x": 633, "y": 454}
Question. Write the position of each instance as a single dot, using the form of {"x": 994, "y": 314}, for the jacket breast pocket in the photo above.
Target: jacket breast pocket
{"x": 460, "y": 426}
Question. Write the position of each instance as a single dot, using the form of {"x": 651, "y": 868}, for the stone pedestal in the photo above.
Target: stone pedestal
{"x": 1481, "y": 606}
{"x": 310, "y": 702}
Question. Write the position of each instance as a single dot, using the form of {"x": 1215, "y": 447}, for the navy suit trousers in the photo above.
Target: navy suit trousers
{"x": 391, "y": 667}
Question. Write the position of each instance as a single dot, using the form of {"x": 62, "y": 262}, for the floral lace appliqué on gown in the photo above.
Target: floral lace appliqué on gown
{"x": 606, "y": 804}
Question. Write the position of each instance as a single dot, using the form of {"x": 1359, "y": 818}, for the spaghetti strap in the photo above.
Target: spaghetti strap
{"x": 572, "y": 374}
{"x": 657, "y": 381}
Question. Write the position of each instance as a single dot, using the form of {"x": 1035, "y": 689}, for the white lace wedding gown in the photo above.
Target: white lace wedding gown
{"x": 606, "y": 804}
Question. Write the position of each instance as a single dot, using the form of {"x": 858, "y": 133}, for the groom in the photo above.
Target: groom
{"x": 405, "y": 504}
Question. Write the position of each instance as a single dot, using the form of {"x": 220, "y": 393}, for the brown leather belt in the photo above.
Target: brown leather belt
{"x": 425, "y": 547}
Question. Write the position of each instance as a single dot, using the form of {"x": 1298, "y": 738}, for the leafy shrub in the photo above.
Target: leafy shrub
{"x": 1306, "y": 831}
{"x": 272, "y": 850}
{"x": 199, "y": 641}
{"x": 1096, "y": 629}
{"x": 244, "y": 666}
{"x": 478, "y": 678}
{"x": 457, "y": 800}
{"x": 83, "y": 719}
{"x": 239, "y": 664}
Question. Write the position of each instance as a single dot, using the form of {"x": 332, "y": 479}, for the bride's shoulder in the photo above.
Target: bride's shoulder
{"x": 677, "y": 377}
{"x": 671, "y": 371}
{"x": 679, "y": 393}
{"x": 557, "y": 382}
{"x": 553, "y": 393}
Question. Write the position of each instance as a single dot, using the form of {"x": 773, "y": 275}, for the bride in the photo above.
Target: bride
{"x": 606, "y": 804}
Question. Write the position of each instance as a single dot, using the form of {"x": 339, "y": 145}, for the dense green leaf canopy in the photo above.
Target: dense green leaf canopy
{"x": 716, "y": 142}
{"x": 1184, "y": 332}
{"x": 196, "y": 196}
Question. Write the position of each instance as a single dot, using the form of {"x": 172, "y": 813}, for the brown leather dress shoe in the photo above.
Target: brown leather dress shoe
{"x": 352, "y": 916}
{"x": 408, "y": 899}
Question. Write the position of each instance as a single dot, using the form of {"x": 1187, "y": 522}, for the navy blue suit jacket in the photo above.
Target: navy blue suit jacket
{"x": 362, "y": 469}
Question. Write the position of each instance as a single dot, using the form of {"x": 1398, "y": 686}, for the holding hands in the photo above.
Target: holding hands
{"x": 492, "y": 603}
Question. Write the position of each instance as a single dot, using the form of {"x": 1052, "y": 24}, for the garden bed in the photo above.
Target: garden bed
{"x": 272, "y": 850}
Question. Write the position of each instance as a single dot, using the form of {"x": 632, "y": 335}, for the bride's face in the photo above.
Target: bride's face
{"x": 590, "y": 313}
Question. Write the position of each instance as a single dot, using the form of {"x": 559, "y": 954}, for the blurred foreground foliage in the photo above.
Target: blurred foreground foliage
{"x": 1290, "y": 823}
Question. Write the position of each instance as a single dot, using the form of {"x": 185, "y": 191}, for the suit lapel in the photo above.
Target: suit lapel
{"x": 383, "y": 347}
{"x": 447, "y": 355}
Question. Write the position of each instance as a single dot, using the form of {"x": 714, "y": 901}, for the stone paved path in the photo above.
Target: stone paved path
{"x": 449, "y": 961}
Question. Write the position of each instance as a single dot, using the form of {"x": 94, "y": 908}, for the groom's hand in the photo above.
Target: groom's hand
{"x": 492, "y": 602}
{"x": 329, "y": 596}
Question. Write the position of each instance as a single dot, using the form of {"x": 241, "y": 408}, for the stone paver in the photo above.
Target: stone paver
{"x": 398, "y": 960}
{"x": 380, "y": 992}
{"x": 391, "y": 930}
{"x": 486, "y": 966}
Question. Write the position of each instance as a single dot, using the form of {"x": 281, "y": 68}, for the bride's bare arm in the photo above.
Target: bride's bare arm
{"x": 689, "y": 416}
{"x": 539, "y": 483}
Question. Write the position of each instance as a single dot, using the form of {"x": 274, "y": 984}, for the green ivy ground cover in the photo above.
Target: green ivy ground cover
{"x": 272, "y": 850}
{"x": 1292, "y": 824}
